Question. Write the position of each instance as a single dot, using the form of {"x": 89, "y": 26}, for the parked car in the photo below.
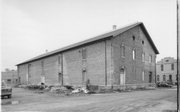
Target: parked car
{"x": 5, "y": 90}
{"x": 163, "y": 84}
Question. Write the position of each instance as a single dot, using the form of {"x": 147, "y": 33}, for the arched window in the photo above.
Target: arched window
{"x": 122, "y": 76}
{"x": 122, "y": 50}
{"x": 134, "y": 54}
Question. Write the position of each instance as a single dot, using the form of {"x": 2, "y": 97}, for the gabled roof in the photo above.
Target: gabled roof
{"x": 100, "y": 37}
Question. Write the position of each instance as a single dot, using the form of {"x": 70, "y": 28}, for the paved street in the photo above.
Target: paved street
{"x": 159, "y": 100}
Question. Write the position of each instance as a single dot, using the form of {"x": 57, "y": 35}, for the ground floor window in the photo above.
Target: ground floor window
{"x": 150, "y": 77}
{"x": 164, "y": 77}
{"x": 142, "y": 75}
{"x": 170, "y": 78}
{"x": 158, "y": 78}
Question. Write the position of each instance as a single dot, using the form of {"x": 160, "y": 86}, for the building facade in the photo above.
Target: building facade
{"x": 10, "y": 77}
{"x": 123, "y": 56}
{"x": 167, "y": 70}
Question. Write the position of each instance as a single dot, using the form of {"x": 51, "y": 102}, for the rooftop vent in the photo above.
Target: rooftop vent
{"x": 114, "y": 27}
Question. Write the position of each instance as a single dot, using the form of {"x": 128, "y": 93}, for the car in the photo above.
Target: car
{"x": 164, "y": 84}
{"x": 5, "y": 90}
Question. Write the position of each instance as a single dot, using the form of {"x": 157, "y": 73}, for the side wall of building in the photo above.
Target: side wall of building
{"x": 71, "y": 66}
{"x": 76, "y": 70}
{"x": 133, "y": 68}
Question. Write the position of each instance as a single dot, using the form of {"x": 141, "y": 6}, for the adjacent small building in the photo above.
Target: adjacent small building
{"x": 167, "y": 70}
{"x": 125, "y": 56}
{"x": 10, "y": 77}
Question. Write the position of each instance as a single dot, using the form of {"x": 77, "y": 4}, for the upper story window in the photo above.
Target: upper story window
{"x": 122, "y": 50}
{"x": 133, "y": 38}
{"x": 172, "y": 66}
{"x": 134, "y": 54}
{"x": 143, "y": 57}
{"x": 84, "y": 53}
{"x": 162, "y": 67}
{"x": 150, "y": 58}
{"x": 142, "y": 42}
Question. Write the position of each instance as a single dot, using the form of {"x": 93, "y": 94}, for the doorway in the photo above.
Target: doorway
{"x": 122, "y": 76}
{"x": 60, "y": 78}
{"x": 150, "y": 77}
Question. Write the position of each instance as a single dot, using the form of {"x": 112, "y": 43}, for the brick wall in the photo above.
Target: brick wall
{"x": 70, "y": 62}
{"x": 51, "y": 70}
{"x": 35, "y": 72}
{"x": 94, "y": 64}
{"x": 23, "y": 73}
{"x": 135, "y": 67}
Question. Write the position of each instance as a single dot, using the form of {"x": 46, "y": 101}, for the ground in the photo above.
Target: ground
{"x": 158, "y": 100}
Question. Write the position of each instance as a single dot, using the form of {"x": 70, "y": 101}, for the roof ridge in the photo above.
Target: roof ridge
{"x": 94, "y": 38}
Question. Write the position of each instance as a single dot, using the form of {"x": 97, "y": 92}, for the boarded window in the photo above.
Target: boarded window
{"x": 84, "y": 53}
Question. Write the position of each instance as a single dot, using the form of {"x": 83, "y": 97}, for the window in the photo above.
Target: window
{"x": 8, "y": 80}
{"x": 142, "y": 75}
{"x": 164, "y": 77}
{"x": 172, "y": 66}
{"x": 84, "y": 56}
{"x": 133, "y": 53}
{"x": 158, "y": 78}
{"x": 150, "y": 77}
{"x": 142, "y": 42}
{"x": 170, "y": 78}
{"x": 143, "y": 57}
{"x": 133, "y": 38}
{"x": 150, "y": 58}
{"x": 123, "y": 50}
{"x": 162, "y": 68}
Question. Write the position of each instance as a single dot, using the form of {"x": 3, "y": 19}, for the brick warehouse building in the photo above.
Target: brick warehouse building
{"x": 122, "y": 56}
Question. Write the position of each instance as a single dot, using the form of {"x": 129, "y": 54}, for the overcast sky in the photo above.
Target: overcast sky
{"x": 29, "y": 27}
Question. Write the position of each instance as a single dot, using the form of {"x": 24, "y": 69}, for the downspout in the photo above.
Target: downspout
{"x": 62, "y": 69}
{"x": 105, "y": 64}
{"x": 155, "y": 70}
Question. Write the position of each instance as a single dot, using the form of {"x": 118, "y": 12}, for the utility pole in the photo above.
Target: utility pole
{"x": 178, "y": 57}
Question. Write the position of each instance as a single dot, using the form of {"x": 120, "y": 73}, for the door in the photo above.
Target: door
{"x": 60, "y": 78}
{"x": 150, "y": 77}
{"x": 43, "y": 79}
{"x": 83, "y": 77}
{"x": 122, "y": 76}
